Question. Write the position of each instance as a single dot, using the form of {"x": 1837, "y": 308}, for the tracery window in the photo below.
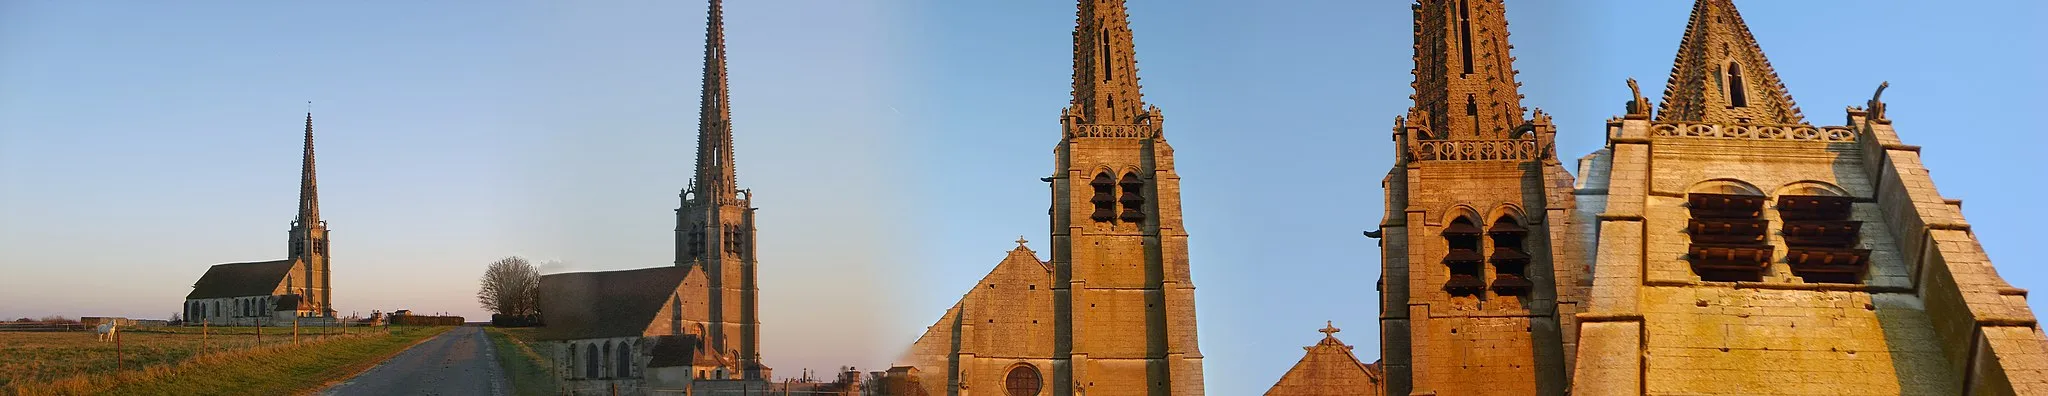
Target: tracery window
{"x": 1820, "y": 240}
{"x": 1463, "y": 258}
{"x": 1022, "y": 380}
{"x": 1510, "y": 257}
{"x": 1727, "y": 237}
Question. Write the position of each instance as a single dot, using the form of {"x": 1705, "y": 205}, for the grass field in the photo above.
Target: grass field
{"x": 182, "y": 361}
{"x": 526, "y": 369}
{"x": 41, "y": 357}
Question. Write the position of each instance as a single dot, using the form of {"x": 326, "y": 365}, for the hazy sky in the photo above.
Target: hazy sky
{"x": 894, "y": 147}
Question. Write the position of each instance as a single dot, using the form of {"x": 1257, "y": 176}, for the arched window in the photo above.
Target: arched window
{"x": 590, "y": 362}
{"x": 1105, "y": 197}
{"x": 625, "y": 363}
{"x": 1461, "y": 241}
{"x": 1022, "y": 380}
{"x": 1727, "y": 233}
{"x": 1738, "y": 92}
{"x": 1510, "y": 257}
{"x": 1133, "y": 198}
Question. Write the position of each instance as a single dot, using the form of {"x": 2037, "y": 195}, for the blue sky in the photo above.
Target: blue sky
{"x": 893, "y": 147}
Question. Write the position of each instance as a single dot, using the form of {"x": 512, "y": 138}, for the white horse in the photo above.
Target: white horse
{"x": 107, "y": 330}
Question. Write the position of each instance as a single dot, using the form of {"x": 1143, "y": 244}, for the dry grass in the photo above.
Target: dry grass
{"x": 75, "y": 363}
{"x": 39, "y": 357}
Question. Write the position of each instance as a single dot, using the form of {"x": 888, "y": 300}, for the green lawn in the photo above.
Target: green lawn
{"x": 275, "y": 368}
{"x": 526, "y": 369}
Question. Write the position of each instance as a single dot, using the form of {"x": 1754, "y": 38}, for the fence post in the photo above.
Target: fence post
{"x": 116, "y": 329}
{"x": 295, "y": 330}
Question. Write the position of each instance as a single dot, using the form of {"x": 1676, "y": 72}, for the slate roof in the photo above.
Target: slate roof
{"x": 1329, "y": 368}
{"x": 604, "y": 304}
{"x": 240, "y": 279}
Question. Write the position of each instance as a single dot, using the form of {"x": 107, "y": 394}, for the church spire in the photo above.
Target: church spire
{"x": 309, "y": 190}
{"x": 1105, "y": 65}
{"x": 715, "y": 175}
{"x": 1721, "y": 76}
{"x": 1464, "y": 77}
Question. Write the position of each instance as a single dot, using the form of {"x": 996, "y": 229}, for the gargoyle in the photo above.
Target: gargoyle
{"x": 1877, "y": 102}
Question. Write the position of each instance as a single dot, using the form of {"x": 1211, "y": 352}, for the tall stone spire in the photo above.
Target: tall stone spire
{"x": 1464, "y": 77}
{"x": 309, "y": 189}
{"x": 1721, "y": 75}
{"x": 1105, "y": 65}
{"x": 308, "y": 239}
{"x": 715, "y": 175}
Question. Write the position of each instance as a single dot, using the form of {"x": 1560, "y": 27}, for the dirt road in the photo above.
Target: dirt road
{"x": 458, "y": 362}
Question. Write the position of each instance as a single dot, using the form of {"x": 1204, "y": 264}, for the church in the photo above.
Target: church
{"x": 276, "y": 292}
{"x": 688, "y": 327}
{"x": 1718, "y": 244}
{"x": 1113, "y": 310}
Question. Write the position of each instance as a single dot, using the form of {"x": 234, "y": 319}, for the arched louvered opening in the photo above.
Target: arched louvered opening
{"x": 1510, "y": 257}
{"x": 1133, "y": 198}
{"x": 1820, "y": 239}
{"x": 1738, "y": 91}
{"x": 696, "y": 239}
{"x": 1104, "y": 198}
{"x": 1461, "y": 238}
{"x": 1727, "y": 236}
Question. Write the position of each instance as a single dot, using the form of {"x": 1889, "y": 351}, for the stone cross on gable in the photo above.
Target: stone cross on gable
{"x": 1330, "y": 329}
{"x": 1021, "y": 241}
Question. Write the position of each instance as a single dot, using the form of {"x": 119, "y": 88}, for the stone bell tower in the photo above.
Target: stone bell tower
{"x": 308, "y": 241}
{"x": 1478, "y": 283}
{"x": 715, "y": 224}
{"x": 1124, "y": 305}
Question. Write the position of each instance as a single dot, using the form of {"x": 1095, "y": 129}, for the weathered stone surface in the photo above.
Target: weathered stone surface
{"x": 1329, "y": 369}
{"x": 1926, "y": 314}
{"x": 1112, "y": 311}
{"x": 1483, "y": 319}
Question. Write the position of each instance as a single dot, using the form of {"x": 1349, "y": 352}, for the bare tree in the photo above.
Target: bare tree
{"x": 511, "y": 286}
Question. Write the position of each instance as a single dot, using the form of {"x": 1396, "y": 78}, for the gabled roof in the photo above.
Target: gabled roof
{"x": 1718, "y": 45}
{"x": 605, "y": 304}
{"x": 241, "y": 279}
{"x": 1329, "y": 368}
{"x": 686, "y": 350}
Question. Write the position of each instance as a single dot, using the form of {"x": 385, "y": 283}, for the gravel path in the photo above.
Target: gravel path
{"x": 458, "y": 362}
